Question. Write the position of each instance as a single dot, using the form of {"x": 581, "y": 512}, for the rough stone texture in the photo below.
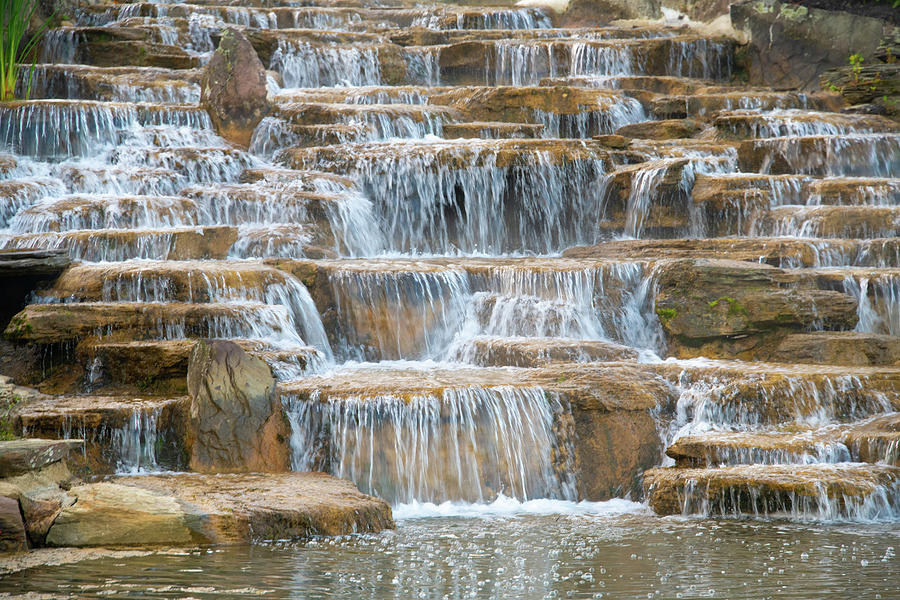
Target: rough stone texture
{"x": 838, "y": 348}
{"x": 791, "y": 46}
{"x": 234, "y": 88}
{"x": 12, "y": 528}
{"x": 20, "y": 456}
{"x": 731, "y": 308}
{"x": 113, "y": 514}
{"x": 236, "y": 418}
{"x": 215, "y": 509}
{"x": 878, "y": 84}
{"x": 587, "y": 13}
{"x": 98, "y": 416}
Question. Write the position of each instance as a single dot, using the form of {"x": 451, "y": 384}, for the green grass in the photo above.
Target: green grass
{"x": 15, "y": 15}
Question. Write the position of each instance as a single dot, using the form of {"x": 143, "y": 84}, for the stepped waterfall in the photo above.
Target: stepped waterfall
{"x": 487, "y": 300}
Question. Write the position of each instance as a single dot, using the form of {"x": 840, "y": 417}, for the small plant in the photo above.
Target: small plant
{"x": 666, "y": 314}
{"x": 856, "y": 61}
{"x": 15, "y": 15}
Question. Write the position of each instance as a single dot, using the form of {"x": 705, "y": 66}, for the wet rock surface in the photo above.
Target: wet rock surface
{"x": 468, "y": 252}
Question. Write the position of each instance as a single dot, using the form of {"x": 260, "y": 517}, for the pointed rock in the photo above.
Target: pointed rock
{"x": 234, "y": 88}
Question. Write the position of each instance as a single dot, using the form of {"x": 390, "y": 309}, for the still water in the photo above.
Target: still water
{"x": 542, "y": 549}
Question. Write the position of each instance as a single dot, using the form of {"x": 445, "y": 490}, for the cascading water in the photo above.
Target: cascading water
{"x": 460, "y": 444}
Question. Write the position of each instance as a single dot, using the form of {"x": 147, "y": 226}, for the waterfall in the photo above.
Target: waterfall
{"x": 460, "y": 444}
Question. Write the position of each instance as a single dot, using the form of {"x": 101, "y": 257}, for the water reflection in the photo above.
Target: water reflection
{"x": 598, "y": 555}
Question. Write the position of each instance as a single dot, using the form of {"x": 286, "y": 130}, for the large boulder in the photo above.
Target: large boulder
{"x": 234, "y": 88}
{"x": 792, "y": 45}
{"x": 236, "y": 419}
{"x": 215, "y": 509}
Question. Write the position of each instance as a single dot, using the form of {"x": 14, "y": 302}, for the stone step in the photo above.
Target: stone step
{"x": 113, "y": 47}
{"x": 378, "y": 309}
{"x": 161, "y": 366}
{"x": 820, "y": 492}
{"x": 118, "y": 433}
{"x": 200, "y": 281}
{"x": 86, "y": 127}
{"x": 177, "y": 243}
{"x": 777, "y": 252}
{"x": 124, "y": 321}
{"x": 523, "y": 62}
{"x": 745, "y": 195}
{"x": 831, "y": 221}
{"x": 705, "y": 104}
{"x": 116, "y": 84}
{"x": 538, "y": 352}
{"x": 747, "y": 396}
{"x": 492, "y": 130}
{"x": 838, "y": 348}
{"x": 473, "y": 196}
{"x": 788, "y": 123}
{"x": 611, "y": 407}
{"x": 866, "y": 155}
{"x": 874, "y": 440}
{"x": 335, "y": 17}
{"x": 18, "y": 457}
{"x": 563, "y": 111}
{"x": 730, "y": 308}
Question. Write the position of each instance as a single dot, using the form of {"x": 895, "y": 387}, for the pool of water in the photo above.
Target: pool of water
{"x": 539, "y": 550}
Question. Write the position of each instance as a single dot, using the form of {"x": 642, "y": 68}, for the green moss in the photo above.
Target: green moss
{"x": 666, "y": 314}
{"x": 734, "y": 307}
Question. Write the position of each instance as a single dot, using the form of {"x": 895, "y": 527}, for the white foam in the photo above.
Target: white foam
{"x": 504, "y": 506}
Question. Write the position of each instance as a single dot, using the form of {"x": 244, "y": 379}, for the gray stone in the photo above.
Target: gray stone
{"x": 791, "y": 45}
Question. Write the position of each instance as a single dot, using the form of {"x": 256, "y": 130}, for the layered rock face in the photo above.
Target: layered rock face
{"x": 446, "y": 253}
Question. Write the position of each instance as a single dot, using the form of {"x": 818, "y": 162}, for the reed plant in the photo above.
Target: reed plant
{"x": 15, "y": 17}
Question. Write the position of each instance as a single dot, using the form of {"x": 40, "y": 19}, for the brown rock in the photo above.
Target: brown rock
{"x": 40, "y": 513}
{"x": 731, "y": 308}
{"x": 661, "y": 130}
{"x": 12, "y": 528}
{"x": 235, "y": 415}
{"x": 234, "y": 88}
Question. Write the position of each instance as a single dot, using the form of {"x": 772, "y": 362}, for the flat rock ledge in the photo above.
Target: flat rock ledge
{"x": 183, "y": 509}
{"x": 824, "y": 491}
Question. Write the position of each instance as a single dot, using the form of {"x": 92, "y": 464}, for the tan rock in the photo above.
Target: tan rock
{"x": 236, "y": 418}
{"x": 190, "y": 508}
